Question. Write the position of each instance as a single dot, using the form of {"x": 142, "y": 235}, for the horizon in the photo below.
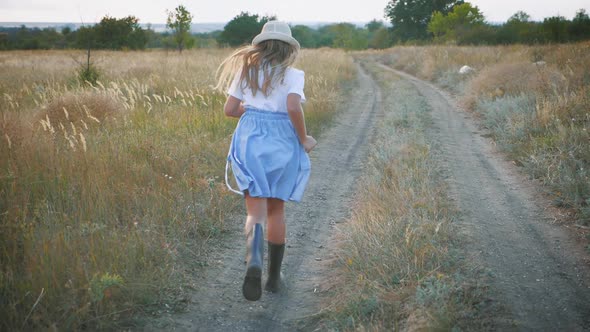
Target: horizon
{"x": 222, "y": 11}
{"x": 198, "y": 27}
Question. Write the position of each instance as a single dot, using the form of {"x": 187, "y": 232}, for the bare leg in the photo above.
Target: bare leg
{"x": 257, "y": 209}
{"x": 276, "y": 221}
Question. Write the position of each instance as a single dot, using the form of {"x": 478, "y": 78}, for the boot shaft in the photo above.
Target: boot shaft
{"x": 275, "y": 260}
{"x": 255, "y": 246}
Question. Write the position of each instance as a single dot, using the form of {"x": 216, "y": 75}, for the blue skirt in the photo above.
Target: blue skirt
{"x": 266, "y": 157}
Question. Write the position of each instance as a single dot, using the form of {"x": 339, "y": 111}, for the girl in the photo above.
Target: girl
{"x": 268, "y": 152}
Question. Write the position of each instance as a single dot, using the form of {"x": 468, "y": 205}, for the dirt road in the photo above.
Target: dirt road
{"x": 537, "y": 272}
{"x": 336, "y": 162}
{"x": 538, "y": 280}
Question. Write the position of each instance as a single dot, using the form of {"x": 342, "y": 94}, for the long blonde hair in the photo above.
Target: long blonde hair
{"x": 271, "y": 56}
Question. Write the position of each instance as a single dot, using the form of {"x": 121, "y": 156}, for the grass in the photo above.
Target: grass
{"x": 398, "y": 255}
{"x": 110, "y": 192}
{"x": 534, "y": 99}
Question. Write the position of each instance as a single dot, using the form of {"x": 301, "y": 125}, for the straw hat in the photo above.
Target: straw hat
{"x": 276, "y": 30}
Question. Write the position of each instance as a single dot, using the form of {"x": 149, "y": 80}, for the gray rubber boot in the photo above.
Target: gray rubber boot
{"x": 252, "y": 287}
{"x": 275, "y": 259}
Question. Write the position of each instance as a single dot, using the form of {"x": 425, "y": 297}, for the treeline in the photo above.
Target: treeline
{"x": 449, "y": 21}
{"x": 412, "y": 22}
{"x": 459, "y": 22}
{"x": 109, "y": 33}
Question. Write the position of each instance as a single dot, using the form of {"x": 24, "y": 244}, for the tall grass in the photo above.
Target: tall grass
{"x": 395, "y": 263}
{"x": 108, "y": 192}
{"x": 535, "y": 100}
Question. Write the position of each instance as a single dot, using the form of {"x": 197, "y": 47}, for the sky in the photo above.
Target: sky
{"x": 221, "y": 11}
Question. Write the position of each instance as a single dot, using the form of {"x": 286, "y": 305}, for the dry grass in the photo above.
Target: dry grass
{"x": 108, "y": 193}
{"x": 535, "y": 100}
{"x": 512, "y": 79}
{"x": 88, "y": 107}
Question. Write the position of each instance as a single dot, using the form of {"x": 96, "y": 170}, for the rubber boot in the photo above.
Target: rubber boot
{"x": 275, "y": 259}
{"x": 252, "y": 288}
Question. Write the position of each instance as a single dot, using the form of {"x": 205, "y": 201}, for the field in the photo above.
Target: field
{"x": 110, "y": 192}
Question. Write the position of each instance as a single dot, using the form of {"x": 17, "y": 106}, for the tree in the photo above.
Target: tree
{"x": 518, "y": 29}
{"x": 86, "y": 37}
{"x": 305, "y": 35}
{"x": 66, "y": 30}
{"x": 378, "y": 35}
{"x": 555, "y": 29}
{"x": 180, "y": 22}
{"x": 460, "y": 25}
{"x": 410, "y": 17}
{"x": 579, "y": 28}
{"x": 3, "y": 41}
{"x": 243, "y": 28}
{"x": 374, "y": 25}
{"x": 380, "y": 39}
{"x": 347, "y": 36}
{"x": 116, "y": 34}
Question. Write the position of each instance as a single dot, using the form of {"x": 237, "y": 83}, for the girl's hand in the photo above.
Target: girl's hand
{"x": 233, "y": 107}
{"x": 309, "y": 143}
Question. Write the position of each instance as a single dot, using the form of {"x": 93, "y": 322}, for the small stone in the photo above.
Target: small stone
{"x": 466, "y": 70}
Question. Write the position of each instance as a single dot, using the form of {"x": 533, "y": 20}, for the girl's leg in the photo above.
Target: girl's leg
{"x": 257, "y": 208}
{"x": 276, "y": 221}
{"x": 276, "y": 243}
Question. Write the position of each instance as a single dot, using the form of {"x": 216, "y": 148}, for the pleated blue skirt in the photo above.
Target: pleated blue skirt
{"x": 266, "y": 157}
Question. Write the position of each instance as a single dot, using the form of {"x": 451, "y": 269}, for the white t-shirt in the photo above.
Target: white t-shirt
{"x": 276, "y": 101}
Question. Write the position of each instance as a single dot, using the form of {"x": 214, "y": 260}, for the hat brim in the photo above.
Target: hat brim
{"x": 276, "y": 36}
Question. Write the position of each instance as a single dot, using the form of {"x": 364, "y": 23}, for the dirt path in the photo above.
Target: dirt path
{"x": 218, "y": 305}
{"x": 537, "y": 272}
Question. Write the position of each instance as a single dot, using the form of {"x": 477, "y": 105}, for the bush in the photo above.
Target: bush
{"x": 88, "y": 74}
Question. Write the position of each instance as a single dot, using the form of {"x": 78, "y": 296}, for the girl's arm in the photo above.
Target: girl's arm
{"x": 296, "y": 115}
{"x": 233, "y": 107}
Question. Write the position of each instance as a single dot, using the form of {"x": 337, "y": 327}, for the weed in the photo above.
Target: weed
{"x": 88, "y": 74}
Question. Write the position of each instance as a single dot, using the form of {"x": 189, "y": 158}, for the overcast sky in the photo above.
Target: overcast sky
{"x": 221, "y": 11}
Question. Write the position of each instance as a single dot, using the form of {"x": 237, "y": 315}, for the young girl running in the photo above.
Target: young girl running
{"x": 268, "y": 152}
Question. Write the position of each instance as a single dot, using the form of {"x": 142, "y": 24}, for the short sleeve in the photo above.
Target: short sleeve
{"x": 234, "y": 89}
{"x": 297, "y": 83}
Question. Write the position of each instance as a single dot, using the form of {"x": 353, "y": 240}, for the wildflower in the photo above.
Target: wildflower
{"x": 83, "y": 141}
{"x": 8, "y": 140}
